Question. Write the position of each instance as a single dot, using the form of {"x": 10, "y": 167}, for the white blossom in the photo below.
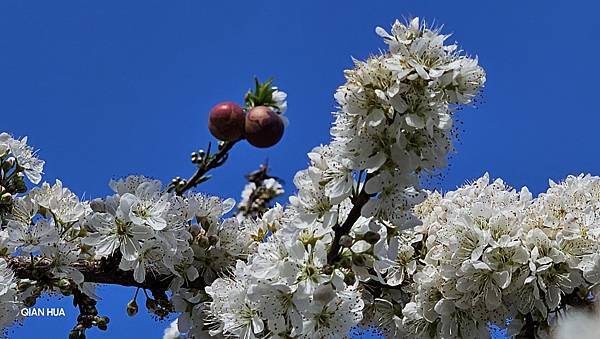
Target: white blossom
{"x": 25, "y": 156}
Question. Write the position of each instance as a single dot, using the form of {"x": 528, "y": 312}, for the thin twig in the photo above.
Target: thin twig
{"x": 215, "y": 161}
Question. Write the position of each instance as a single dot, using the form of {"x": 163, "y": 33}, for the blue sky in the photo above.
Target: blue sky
{"x": 111, "y": 88}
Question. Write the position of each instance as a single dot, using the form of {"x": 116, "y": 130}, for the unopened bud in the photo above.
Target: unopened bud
{"x": 10, "y": 162}
{"x": 346, "y": 241}
{"x": 6, "y": 197}
{"x": 150, "y": 304}
{"x": 132, "y": 308}
{"x": 101, "y": 323}
{"x": 372, "y": 237}
{"x": 63, "y": 283}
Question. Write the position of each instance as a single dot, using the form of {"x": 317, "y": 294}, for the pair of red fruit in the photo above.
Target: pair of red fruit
{"x": 261, "y": 126}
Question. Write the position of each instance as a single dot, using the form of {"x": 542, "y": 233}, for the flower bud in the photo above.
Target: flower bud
{"x": 346, "y": 241}
{"x": 63, "y": 283}
{"x": 263, "y": 128}
{"x": 102, "y": 322}
{"x": 132, "y": 308}
{"x": 151, "y": 304}
{"x": 6, "y": 198}
{"x": 65, "y": 287}
{"x": 371, "y": 237}
{"x": 226, "y": 121}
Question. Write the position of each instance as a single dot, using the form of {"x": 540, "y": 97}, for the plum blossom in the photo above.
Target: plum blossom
{"x": 25, "y": 156}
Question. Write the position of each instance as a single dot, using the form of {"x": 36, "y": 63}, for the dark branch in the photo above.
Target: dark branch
{"x": 104, "y": 271}
{"x": 214, "y": 161}
{"x": 340, "y": 230}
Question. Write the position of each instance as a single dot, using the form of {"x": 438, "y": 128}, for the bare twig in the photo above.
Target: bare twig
{"x": 213, "y": 161}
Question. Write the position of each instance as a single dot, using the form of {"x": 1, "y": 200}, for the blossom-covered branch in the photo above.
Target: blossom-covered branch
{"x": 143, "y": 235}
{"x": 360, "y": 242}
{"x": 103, "y": 271}
{"x": 340, "y": 233}
{"x": 259, "y": 192}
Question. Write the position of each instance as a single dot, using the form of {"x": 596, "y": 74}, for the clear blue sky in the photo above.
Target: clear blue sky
{"x": 111, "y": 88}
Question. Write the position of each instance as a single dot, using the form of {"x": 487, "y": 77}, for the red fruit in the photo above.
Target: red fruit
{"x": 264, "y": 128}
{"x": 226, "y": 121}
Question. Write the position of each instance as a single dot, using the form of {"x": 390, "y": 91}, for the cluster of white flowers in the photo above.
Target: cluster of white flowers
{"x": 394, "y": 121}
{"x": 149, "y": 231}
{"x": 23, "y": 155}
{"x": 257, "y": 195}
{"x": 486, "y": 253}
{"x": 361, "y": 243}
{"x": 10, "y": 303}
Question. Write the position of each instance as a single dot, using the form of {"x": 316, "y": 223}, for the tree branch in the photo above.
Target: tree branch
{"x": 340, "y": 230}
{"x": 103, "y": 271}
{"x": 215, "y": 161}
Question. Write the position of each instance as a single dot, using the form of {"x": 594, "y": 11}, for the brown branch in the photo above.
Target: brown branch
{"x": 104, "y": 271}
{"x": 340, "y": 230}
{"x": 215, "y": 161}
